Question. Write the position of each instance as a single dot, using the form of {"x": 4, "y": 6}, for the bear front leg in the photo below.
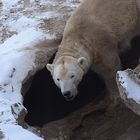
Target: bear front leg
{"x": 110, "y": 65}
{"x": 111, "y": 85}
{"x": 112, "y": 89}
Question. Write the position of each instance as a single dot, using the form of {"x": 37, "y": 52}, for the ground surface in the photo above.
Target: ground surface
{"x": 120, "y": 123}
{"x": 117, "y": 124}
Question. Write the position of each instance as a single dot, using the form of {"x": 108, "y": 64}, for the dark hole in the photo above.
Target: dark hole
{"x": 45, "y": 103}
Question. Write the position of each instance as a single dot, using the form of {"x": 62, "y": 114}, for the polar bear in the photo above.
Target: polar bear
{"x": 94, "y": 37}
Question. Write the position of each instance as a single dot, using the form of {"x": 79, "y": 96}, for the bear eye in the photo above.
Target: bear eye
{"x": 72, "y": 76}
{"x": 58, "y": 79}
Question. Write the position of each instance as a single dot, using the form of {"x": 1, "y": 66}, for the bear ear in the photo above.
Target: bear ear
{"x": 82, "y": 61}
{"x": 49, "y": 67}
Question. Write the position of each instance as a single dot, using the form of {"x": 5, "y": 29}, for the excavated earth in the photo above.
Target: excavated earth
{"x": 46, "y": 104}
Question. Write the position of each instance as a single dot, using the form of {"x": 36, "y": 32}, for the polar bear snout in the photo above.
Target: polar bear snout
{"x": 68, "y": 95}
{"x": 68, "y": 89}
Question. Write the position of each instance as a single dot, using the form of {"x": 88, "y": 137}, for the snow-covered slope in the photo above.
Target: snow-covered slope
{"x": 28, "y": 31}
{"x": 18, "y": 15}
{"x": 17, "y": 55}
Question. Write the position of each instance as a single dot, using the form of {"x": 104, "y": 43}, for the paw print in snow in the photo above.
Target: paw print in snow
{"x": 12, "y": 73}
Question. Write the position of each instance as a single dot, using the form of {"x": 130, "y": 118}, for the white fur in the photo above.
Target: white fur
{"x": 67, "y": 76}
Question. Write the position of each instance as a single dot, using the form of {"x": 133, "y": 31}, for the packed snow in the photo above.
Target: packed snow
{"x": 18, "y": 15}
{"x": 131, "y": 87}
{"x": 17, "y": 55}
{"x": 21, "y": 28}
{"x": 22, "y": 23}
{"x": 16, "y": 132}
{"x": 10, "y": 4}
{"x": 17, "y": 60}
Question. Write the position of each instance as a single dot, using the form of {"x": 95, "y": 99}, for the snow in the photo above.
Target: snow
{"x": 5, "y": 112}
{"x": 132, "y": 88}
{"x": 22, "y": 23}
{"x": 47, "y": 15}
{"x": 16, "y": 132}
{"x": 8, "y": 4}
{"x": 26, "y": 38}
{"x": 20, "y": 31}
{"x": 69, "y": 2}
{"x": 16, "y": 65}
{"x": 18, "y": 15}
{"x": 17, "y": 60}
{"x": 17, "y": 55}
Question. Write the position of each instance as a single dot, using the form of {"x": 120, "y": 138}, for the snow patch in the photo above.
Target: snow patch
{"x": 46, "y": 2}
{"x": 22, "y": 23}
{"x": 24, "y": 19}
{"x": 132, "y": 88}
{"x": 16, "y": 132}
{"x": 17, "y": 57}
{"x": 72, "y": 3}
{"x": 47, "y": 15}
{"x": 9, "y": 4}
{"x": 26, "y": 38}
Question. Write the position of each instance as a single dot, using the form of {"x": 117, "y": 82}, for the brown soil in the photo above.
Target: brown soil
{"x": 45, "y": 104}
{"x": 119, "y": 123}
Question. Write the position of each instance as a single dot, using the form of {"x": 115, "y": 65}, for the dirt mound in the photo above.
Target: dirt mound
{"x": 118, "y": 124}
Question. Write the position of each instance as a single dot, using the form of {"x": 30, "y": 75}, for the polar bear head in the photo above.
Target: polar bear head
{"x": 67, "y": 72}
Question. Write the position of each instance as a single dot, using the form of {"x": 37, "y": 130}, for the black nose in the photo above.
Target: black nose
{"x": 66, "y": 94}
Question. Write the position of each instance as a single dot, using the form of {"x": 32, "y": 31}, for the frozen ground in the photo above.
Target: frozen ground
{"x": 18, "y": 15}
{"x": 23, "y": 24}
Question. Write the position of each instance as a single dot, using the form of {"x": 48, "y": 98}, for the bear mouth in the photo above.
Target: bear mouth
{"x": 69, "y": 98}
